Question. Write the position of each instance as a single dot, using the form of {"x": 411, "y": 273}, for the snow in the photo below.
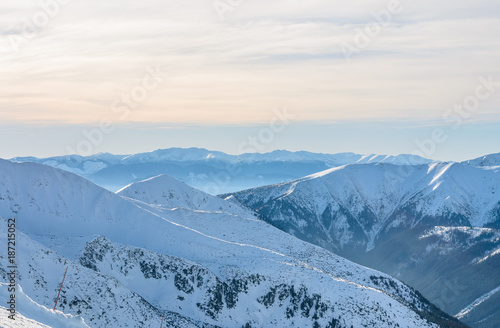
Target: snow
{"x": 30, "y": 314}
{"x": 60, "y": 212}
{"x": 20, "y": 322}
{"x": 473, "y": 232}
{"x": 177, "y": 154}
{"x": 403, "y": 159}
{"x": 439, "y": 173}
{"x": 492, "y": 160}
{"x": 476, "y": 303}
{"x": 88, "y": 168}
{"x": 102, "y": 300}
{"x": 94, "y": 163}
{"x": 202, "y": 168}
{"x": 488, "y": 256}
{"x": 165, "y": 192}
{"x": 382, "y": 189}
{"x": 360, "y": 207}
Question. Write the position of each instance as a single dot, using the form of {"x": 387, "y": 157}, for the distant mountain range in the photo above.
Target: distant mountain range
{"x": 435, "y": 226}
{"x": 211, "y": 171}
{"x": 216, "y": 172}
{"x": 160, "y": 248}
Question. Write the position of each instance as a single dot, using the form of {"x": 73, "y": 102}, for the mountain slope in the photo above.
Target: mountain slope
{"x": 413, "y": 222}
{"x": 130, "y": 261}
{"x": 491, "y": 160}
{"x": 32, "y": 315}
{"x": 100, "y": 299}
{"x": 168, "y": 193}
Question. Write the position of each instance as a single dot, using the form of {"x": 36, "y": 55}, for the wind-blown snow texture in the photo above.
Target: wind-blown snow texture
{"x": 434, "y": 225}
{"x": 211, "y": 171}
{"x": 207, "y": 265}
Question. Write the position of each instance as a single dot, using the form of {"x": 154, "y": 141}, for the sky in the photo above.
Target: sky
{"x": 385, "y": 77}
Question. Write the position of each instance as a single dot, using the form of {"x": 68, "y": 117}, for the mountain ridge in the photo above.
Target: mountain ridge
{"x": 216, "y": 268}
{"x": 211, "y": 171}
{"x": 380, "y": 215}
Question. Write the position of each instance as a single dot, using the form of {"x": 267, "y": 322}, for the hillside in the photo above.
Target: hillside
{"x": 130, "y": 261}
{"x": 434, "y": 226}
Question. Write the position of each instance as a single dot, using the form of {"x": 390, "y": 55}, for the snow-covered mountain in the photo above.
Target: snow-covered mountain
{"x": 421, "y": 223}
{"x": 202, "y": 264}
{"x": 199, "y": 154}
{"x": 435, "y": 226}
{"x": 81, "y": 165}
{"x": 492, "y": 160}
{"x": 167, "y": 193}
{"x": 211, "y": 171}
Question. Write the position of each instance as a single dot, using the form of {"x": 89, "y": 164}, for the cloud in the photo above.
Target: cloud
{"x": 261, "y": 56}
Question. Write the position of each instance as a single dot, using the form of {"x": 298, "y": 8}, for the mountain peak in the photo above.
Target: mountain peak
{"x": 166, "y": 192}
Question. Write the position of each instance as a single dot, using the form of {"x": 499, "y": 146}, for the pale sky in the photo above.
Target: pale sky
{"x": 162, "y": 71}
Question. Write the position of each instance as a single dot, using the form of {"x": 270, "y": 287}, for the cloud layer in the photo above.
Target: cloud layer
{"x": 416, "y": 65}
